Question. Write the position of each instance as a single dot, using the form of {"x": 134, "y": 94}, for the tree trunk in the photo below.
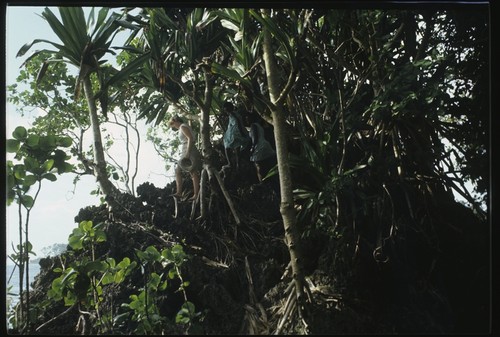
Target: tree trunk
{"x": 205, "y": 139}
{"x": 205, "y": 115}
{"x": 107, "y": 188}
{"x": 287, "y": 209}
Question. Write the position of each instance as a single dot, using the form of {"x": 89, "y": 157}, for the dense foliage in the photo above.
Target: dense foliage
{"x": 385, "y": 118}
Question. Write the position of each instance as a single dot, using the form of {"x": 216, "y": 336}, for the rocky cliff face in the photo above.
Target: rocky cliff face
{"x": 238, "y": 274}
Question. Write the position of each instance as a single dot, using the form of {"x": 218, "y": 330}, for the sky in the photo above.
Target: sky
{"x": 52, "y": 218}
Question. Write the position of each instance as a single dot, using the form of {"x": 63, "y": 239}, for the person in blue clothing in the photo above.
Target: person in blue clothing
{"x": 262, "y": 153}
{"x": 236, "y": 138}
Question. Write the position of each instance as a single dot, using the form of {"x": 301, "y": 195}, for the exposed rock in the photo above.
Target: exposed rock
{"x": 351, "y": 292}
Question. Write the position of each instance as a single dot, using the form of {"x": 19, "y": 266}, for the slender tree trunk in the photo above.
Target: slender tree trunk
{"x": 205, "y": 139}
{"x": 107, "y": 188}
{"x": 205, "y": 115}
{"x": 287, "y": 209}
{"x": 21, "y": 265}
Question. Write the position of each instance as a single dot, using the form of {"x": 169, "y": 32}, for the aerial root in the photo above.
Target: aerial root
{"x": 256, "y": 320}
{"x": 55, "y": 318}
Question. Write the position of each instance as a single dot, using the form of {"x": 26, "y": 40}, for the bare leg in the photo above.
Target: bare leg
{"x": 195, "y": 176}
{"x": 178, "y": 181}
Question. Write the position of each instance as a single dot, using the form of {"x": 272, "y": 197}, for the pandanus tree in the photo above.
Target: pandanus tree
{"x": 388, "y": 93}
{"x": 278, "y": 73}
{"x": 83, "y": 44}
{"x": 178, "y": 46}
{"x": 376, "y": 90}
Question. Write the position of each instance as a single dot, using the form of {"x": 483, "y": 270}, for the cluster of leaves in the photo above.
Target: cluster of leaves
{"x": 36, "y": 157}
{"x": 85, "y": 280}
{"x": 144, "y": 305}
{"x": 39, "y": 157}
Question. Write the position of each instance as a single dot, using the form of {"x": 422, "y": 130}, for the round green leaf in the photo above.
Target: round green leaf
{"x": 86, "y": 225}
{"x": 33, "y": 140}
{"x": 13, "y": 145}
{"x": 28, "y": 246}
{"x": 60, "y": 155}
{"x": 27, "y": 201}
{"x": 65, "y": 141}
{"x": 100, "y": 236}
{"x": 75, "y": 242}
{"x": 19, "y": 171}
{"x": 20, "y": 133}
{"x": 29, "y": 180}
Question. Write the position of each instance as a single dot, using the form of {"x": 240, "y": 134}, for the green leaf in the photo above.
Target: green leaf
{"x": 189, "y": 306}
{"x": 124, "y": 263}
{"x": 100, "y": 236}
{"x": 86, "y": 226}
{"x": 130, "y": 69}
{"x": 65, "y": 141}
{"x": 49, "y": 163}
{"x": 31, "y": 164}
{"x": 95, "y": 266}
{"x": 33, "y": 140}
{"x": 111, "y": 262}
{"x": 230, "y": 73}
{"x": 11, "y": 196}
{"x": 60, "y": 155}
{"x": 19, "y": 171}
{"x": 75, "y": 239}
{"x": 64, "y": 168}
{"x": 163, "y": 285}
{"x": 12, "y": 145}
{"x": 49, "y": 176}
{"x": 181, "y": 320}
{"x": 70, "y": 300}
{"x": 154, "y": 281}
{"x": 108, "y": 278}
{"x": 27, "y": 201}
{"x": 30, "y": 180}
{"x": 48, "y": 142}
{"x": 75, "y": 242}
{"x": 20, "y": 133}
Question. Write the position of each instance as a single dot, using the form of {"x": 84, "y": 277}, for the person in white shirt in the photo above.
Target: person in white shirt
{"x": 190, "y": 158}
